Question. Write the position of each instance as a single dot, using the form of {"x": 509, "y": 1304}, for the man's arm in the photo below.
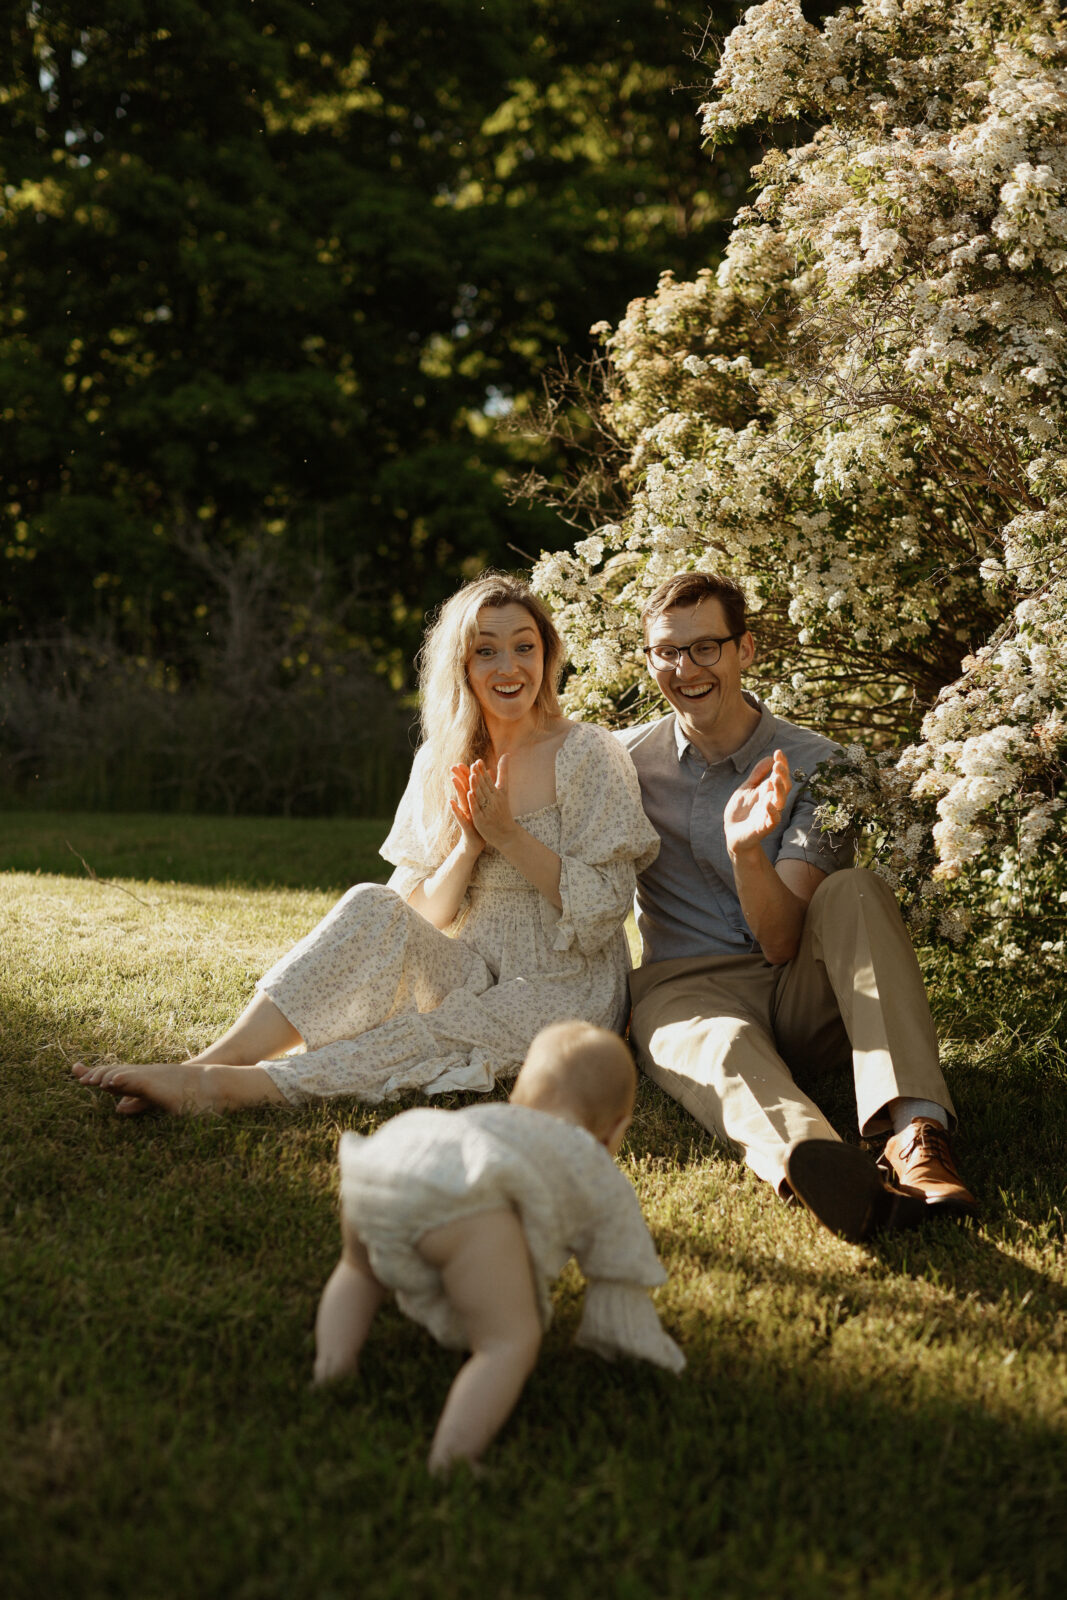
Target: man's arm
{"x": 774, "y": 899}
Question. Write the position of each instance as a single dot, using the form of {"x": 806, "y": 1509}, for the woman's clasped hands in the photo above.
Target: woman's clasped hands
{"x": 482, "y": 806}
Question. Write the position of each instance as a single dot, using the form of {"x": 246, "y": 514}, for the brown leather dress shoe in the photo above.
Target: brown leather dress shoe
{"x": 920, "y": 1162}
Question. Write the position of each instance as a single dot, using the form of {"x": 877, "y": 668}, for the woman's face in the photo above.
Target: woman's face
{"x": 506, "y": 663}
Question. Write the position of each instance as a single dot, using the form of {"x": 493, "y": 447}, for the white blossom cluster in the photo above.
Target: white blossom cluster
{"x": 862, "y": 415}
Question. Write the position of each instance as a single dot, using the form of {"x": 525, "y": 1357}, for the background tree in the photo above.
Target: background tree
{"x": 271, "y": 274}
{"x": 862, "y": 415}
{"x": 268, "y": 271}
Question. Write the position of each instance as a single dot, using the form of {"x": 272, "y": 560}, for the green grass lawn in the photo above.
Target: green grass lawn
{"x": 254, "y": 852}
{"x": 886, "y": 1422}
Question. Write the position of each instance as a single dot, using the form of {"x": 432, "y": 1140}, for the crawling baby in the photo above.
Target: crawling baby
{"x": 469, "y": 1215}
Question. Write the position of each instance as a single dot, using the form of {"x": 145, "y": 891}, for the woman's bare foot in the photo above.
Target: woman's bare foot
{"x": 169, "y": 1085}
{"x": 182, "y": 1088}
{"x": 130, "y": 1105}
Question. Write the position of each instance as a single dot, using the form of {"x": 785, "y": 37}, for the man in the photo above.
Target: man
{"x": 767, "y": 957}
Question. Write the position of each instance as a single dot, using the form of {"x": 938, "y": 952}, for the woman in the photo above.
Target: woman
{"x": 515, "y": 847}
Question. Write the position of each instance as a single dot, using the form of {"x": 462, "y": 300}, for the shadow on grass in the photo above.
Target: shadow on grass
{"x": 243, "y": 852}
{"x": 38, "y": 1033}
{"x": 851, "y": 1432}
{"x": 171, "y": 1413}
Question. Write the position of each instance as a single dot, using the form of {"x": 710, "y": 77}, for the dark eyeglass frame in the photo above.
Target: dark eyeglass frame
{"x": 681, "y": 650}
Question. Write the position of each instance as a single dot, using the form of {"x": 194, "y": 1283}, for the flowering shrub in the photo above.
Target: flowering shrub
{"x": 862, "y": 416}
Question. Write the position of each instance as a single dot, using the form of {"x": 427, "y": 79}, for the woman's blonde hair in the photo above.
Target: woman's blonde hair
{"x": 453, "y": 729}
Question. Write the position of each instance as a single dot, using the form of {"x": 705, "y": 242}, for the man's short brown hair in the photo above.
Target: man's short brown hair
{"x": 689, "y": 589}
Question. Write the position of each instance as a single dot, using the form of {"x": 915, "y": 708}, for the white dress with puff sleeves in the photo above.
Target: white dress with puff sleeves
{"x": 387, "y": 1004}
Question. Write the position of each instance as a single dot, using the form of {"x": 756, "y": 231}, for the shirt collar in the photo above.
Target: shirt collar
{"x": 762, "y": 737}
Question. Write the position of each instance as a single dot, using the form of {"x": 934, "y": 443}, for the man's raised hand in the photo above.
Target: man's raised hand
{"x": 754, "y": 810}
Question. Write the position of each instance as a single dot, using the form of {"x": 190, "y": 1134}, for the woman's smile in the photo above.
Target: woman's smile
{"x": 506, "y": 663}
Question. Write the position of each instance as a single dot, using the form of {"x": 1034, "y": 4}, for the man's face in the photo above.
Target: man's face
{"x": 708, "y": 699}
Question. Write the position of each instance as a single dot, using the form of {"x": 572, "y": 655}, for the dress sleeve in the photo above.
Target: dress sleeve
{"x": 617, "y": 1256}
{"x": 407, "y": 847}
{"x": 605, "y": 838}
{"x": 619, "y": 1319}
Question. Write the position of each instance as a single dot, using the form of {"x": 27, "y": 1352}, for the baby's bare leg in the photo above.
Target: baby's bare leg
{"x": 485, "y": 1268}
{"x": 349, "y": 1301}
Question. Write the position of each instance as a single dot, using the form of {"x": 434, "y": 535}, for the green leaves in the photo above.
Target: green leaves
{"x": 276, "y": 259}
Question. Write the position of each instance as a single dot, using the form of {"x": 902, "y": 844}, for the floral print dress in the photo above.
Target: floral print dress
{"x": 386, "y": 1003}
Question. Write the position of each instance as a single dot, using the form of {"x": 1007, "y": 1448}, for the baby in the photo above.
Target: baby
{"x": 468, "y": 1215}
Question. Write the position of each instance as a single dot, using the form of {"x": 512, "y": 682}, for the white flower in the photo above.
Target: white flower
{"x": 880, "y": 454}
{"x": 590, "y": 550}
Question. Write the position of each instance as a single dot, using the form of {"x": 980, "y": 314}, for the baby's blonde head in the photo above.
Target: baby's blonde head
{"x": 584, "y": 1073}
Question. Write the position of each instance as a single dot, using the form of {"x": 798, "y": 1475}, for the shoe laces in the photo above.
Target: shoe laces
{"x": 930, "y": 1141}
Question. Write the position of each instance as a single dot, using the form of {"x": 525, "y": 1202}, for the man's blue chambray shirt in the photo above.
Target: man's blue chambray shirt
{"x": 687, "y": 904}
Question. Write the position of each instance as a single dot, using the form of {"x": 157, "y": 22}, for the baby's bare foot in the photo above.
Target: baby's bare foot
{"x": 441, "y": 1466}
{"x": 328, "y": 1369}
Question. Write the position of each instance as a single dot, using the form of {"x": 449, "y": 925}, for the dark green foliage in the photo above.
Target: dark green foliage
{"x": 83, "y": 725}
{"x": 264, "y": 266}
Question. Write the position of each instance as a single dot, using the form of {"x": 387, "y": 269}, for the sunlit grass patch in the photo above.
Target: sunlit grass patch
{"x": 886, "y": 1422}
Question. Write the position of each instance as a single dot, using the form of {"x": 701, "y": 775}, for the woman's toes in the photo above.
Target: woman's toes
{"x": 113, "y": 1080}
{"x": 128, "y": 1105}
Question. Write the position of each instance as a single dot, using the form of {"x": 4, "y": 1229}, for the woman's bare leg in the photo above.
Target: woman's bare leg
{"x": 223, "y": 1077}
{"x": 260, "y": 1033}
{"x": 485, "y": 1267}
{"x": 346, "y": 1310}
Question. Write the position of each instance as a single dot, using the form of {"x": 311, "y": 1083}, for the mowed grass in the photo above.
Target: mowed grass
{"x": 853, "y": 1422}
{"x": 254, "y": 852}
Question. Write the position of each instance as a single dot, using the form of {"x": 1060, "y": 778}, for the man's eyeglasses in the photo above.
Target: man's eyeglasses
{"x": 702, "y": 652}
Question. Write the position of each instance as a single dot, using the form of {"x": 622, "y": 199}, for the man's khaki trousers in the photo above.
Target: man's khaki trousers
{"x": 733, "y": 1038}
